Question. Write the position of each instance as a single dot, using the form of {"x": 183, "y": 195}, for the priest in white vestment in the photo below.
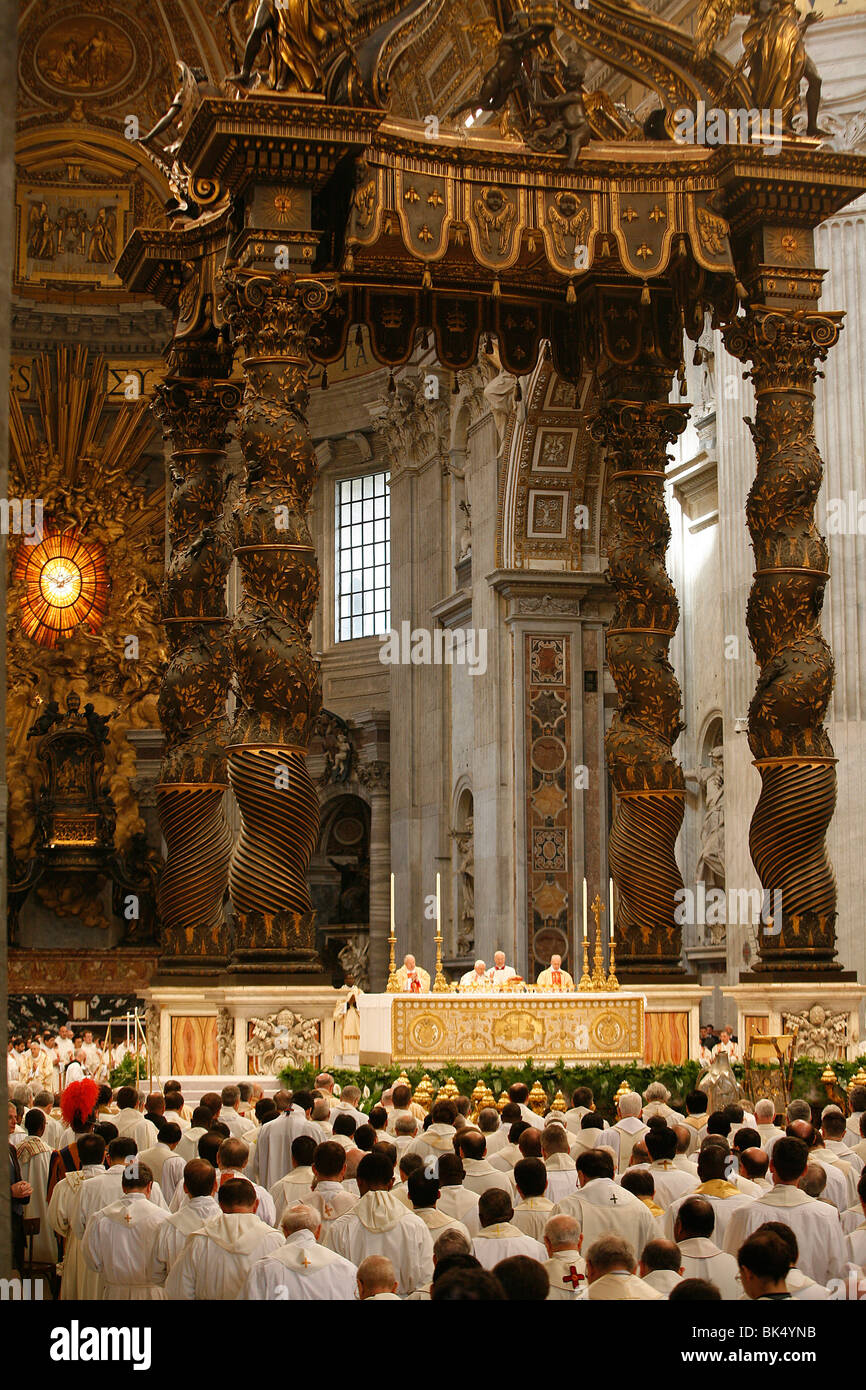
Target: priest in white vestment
{"x": 301, "y": 1270}
{"x": 814, "y": 1223}
{"x": 155, "y": 1157}
{"x": 217, "y": 1258}
{"x": 412, "y": 978}
{"x": 499, "y": 973}
{"x": 118, "y": 1241}
{"x": 423, "y": 1195}
{"x": 561, "y": 1172}
{"x": 534, "y": 1208}
{"x": 273, "y": 1152}
{"x": 629, "y": 1128}
{"x": 380, "y": 1224}
{"x": 130, "y": 1122}
{"x": 836, "y": 1139}
{"x": 78, "y": 1282}
{"x": 200, "y": 1123}
{"x": 436, "y": 1138}
{"x": 713, "y": 1185}
{"x": 554, "y": 978}
{"x": 107, "y": 1188}
{"x": 480, "y": 1172}
{"x": 200, "y": 1185}
{"x": 660, "y": 1266}
{"x": 670, "y": 1181}
{"x": 565, "y": 1266}
{"x": 34, "y": 1159}
{"x": 765, "y": 1116}
{"x": 239, "y": 1126}
{"x": 329, "y": 1197}
{"x": 611, "y": 1273}
{"x": 601, "y": 1207}
{"x": 44, "y": 1101}
{"x": 700, "y": 1255}
{"x": 476, "y": 978}
{"x": 297, "y": 1185}
{"x": 656, "y": 1097}
{"x": 498, "y": 1238}
{"x": 454, "y": 1199}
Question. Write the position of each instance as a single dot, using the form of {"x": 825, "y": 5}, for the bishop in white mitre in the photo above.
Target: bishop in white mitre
{"x": 217, "y": 1258}
{"x": 118, "y": 1241}
{"x": 199, "y": 1184}
{"x": 301, "y": 1270}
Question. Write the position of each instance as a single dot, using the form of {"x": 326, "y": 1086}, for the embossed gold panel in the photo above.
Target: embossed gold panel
{"x": 507, "y": 1029}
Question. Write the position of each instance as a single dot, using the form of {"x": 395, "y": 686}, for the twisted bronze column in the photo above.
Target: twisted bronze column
{"x": 790, "y": 745}
{"x": 192, "y": 702}
{"x": 276, "y": 677}
{"x": 647, "y": 779}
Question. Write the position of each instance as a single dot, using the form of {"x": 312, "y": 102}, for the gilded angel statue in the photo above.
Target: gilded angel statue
{"x": 774, "y": 53}
{"x": 294, "y": 32}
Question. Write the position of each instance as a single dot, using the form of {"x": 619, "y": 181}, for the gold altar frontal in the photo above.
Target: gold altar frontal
{"x": 502, "y": 1028}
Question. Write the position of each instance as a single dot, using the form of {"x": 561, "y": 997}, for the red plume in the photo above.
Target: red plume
{"x": 78, "y": 1102}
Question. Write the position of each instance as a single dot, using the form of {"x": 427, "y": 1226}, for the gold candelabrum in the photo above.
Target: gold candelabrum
{"x": 393, "y": 985}
{"x": 440, "y": 984}
{"x": 598, "y": 977}
{"x": 584, "y": 984}
{"x": 612, "y": 982}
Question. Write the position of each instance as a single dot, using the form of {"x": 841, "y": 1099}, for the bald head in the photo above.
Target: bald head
{"x": 376, "y": 1275}
{"x": 802, "y": 1129}
{"x": 562, "y": 1233}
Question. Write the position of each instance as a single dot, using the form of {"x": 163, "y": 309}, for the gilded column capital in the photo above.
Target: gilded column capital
{"x": 784, "y": 347}
{"x": 196, "y": 413}
{"x": 273, "y": 313}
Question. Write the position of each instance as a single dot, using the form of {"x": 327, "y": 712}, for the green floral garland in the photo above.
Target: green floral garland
{"x": 604, "y": 1079}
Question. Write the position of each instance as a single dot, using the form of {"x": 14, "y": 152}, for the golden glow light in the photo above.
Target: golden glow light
{"x": 64, "y": 583}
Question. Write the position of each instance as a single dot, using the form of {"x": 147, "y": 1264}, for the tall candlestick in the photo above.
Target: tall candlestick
{"x": 393, "y": 985}
{"x": 440, "y": 984}
{"x": 584, "y": 911}
{"x": 610, "y": 907}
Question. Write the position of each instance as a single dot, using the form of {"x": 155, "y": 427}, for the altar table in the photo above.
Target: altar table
{"x": 501, "y": 1027}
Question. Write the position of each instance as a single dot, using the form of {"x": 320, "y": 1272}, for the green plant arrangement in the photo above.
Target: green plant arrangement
{"x": 124, "y": 1074}
{"x": 603, "y": 1078}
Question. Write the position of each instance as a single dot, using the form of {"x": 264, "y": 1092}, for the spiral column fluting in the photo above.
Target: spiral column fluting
{"x": 276, "y": 677}
{"x": 195, "y": 414}
{"x": 647, "y": 779}
{"x": 790, "y": 746}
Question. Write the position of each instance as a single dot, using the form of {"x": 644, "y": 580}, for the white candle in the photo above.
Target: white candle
{"x": 438, "y": 914}
{"x": 610, "y": 905}
{"x": 392, "y": 906}
{"x": 584, "y": 909}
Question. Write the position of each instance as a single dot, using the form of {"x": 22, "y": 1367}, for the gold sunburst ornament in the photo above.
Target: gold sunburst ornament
{"x": 64, "y": 585}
